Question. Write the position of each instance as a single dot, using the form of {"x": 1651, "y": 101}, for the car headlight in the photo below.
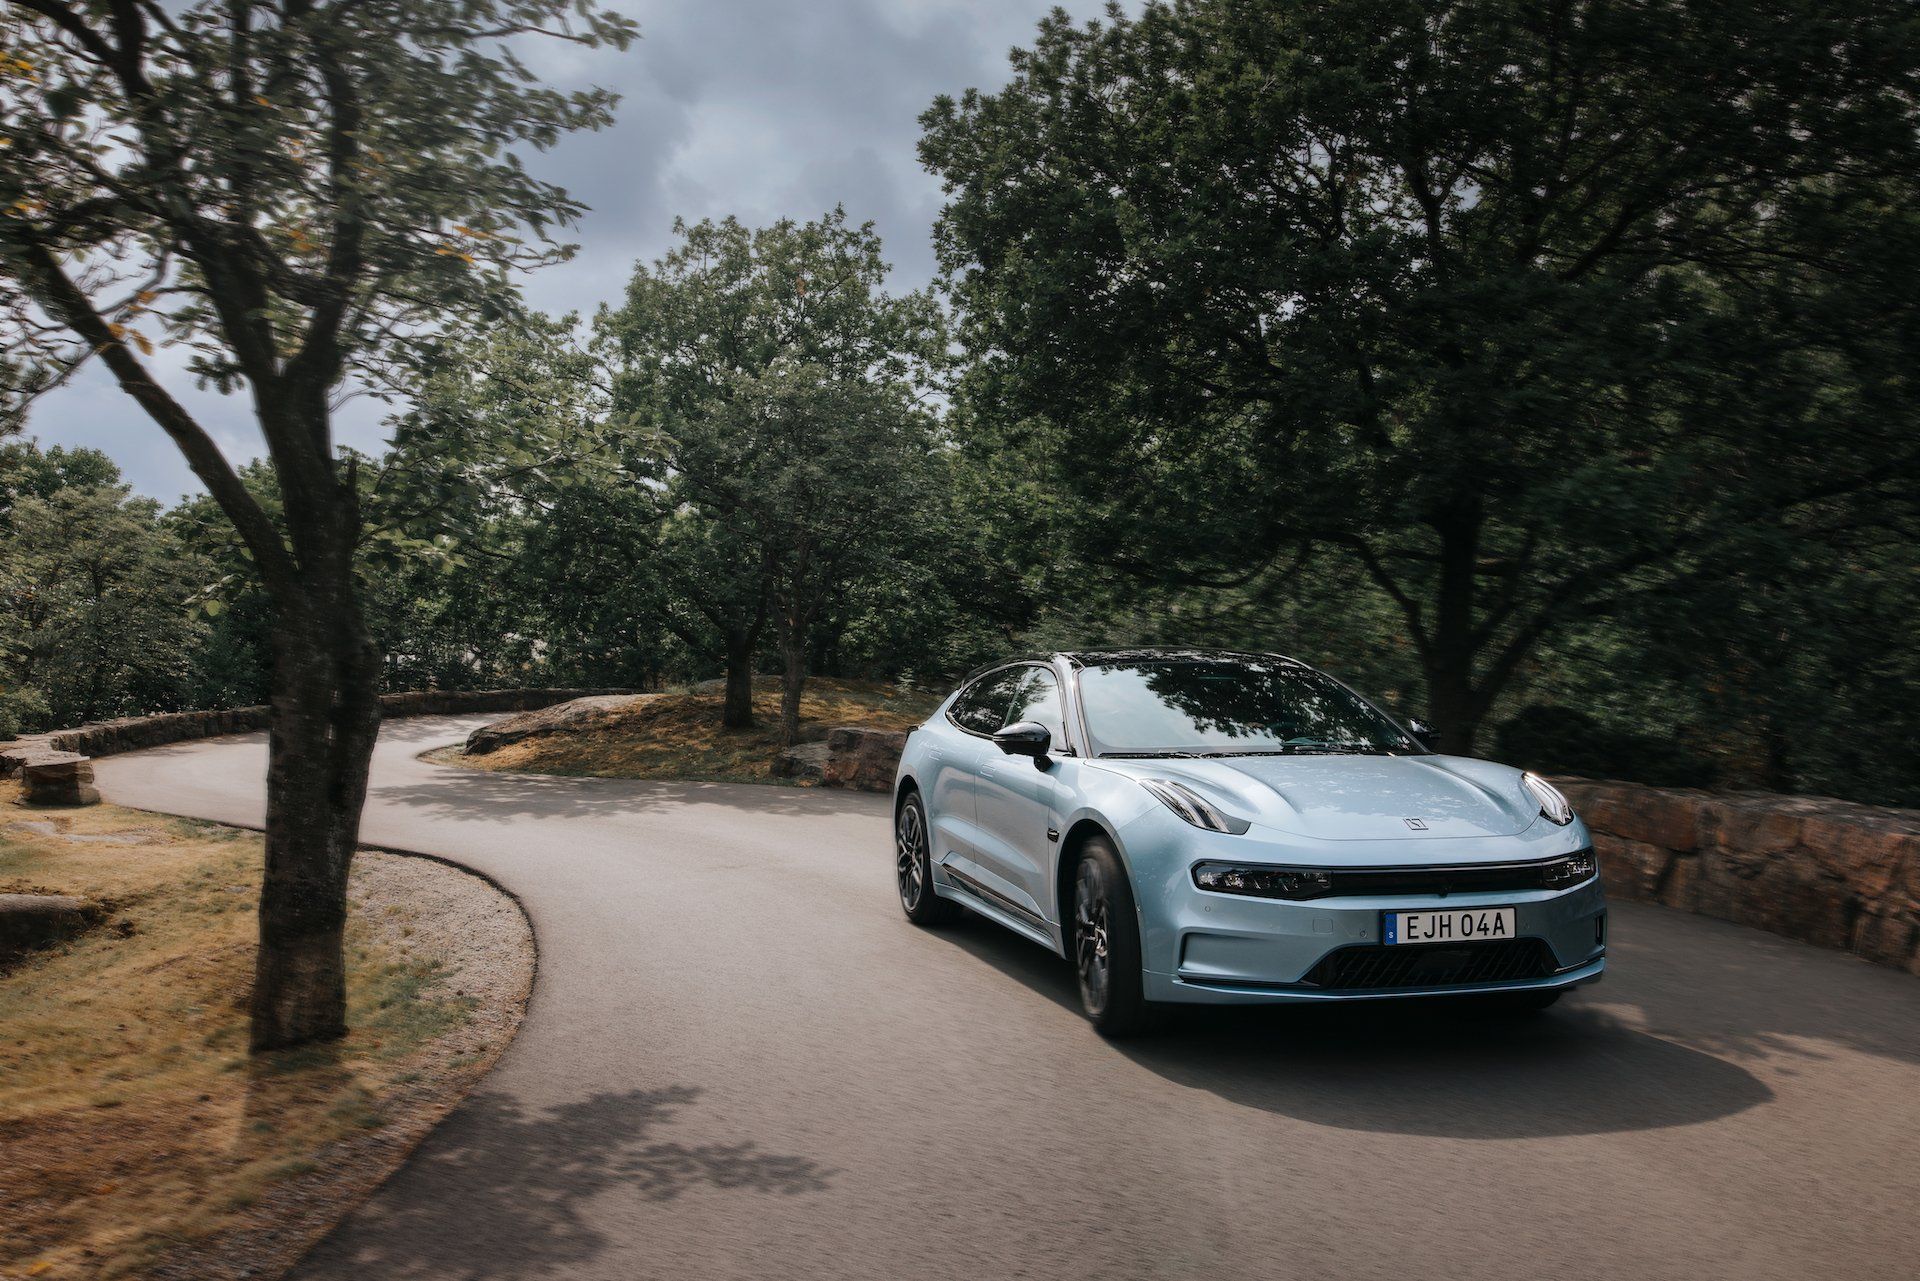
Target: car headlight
{"x": 1552, "y": 804}
{"x": 1193, "y": 807}
{"x": 1572, "y": 870}
{"x": 1263, "y": 882}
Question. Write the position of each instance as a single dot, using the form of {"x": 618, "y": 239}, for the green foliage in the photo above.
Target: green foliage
{"x": 93, "y": 593}
{"x": 511, "y": 543}
{"x": 1487, "y": 299}
{"x": 774, "y": 387}
{"x": 356, "y": 164}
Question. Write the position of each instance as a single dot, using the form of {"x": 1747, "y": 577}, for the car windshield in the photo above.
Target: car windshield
{"x": 1229, "y": 707}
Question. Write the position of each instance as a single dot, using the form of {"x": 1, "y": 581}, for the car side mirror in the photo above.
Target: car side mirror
{"x": 1025, "y": 738}
{"x": 1429, "y": 736}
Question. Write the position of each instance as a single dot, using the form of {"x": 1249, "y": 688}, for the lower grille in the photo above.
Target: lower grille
{"x": 1443, "y": 965}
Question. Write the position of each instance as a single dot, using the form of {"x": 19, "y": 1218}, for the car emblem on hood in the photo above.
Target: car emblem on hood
{"x": 1417, "y": 824}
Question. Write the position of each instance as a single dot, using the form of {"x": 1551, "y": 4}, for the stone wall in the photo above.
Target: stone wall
{"x": 1823, "y": 871}
{"x": 133, "y": 733}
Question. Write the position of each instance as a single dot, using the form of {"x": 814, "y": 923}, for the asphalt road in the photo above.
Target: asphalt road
{"x": 741, "y": 1061}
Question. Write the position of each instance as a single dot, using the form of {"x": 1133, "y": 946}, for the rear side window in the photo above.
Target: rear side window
{"x": 982, "y": 707}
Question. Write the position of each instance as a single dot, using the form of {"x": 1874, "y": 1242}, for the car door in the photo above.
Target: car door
{"x": 965, "y": 743}
{"x": 1018, "y": 801}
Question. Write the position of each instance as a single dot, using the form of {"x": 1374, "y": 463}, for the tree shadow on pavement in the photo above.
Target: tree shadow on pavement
{"x": 451, "y": 792}
{"x": 501, "y": 1191}
{"x": 1419, "y": 1068}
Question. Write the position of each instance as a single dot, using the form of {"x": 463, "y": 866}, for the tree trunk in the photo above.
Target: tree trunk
{"x": 1452, "y": 707}
{"x": 325, "y": 718}
{"x": 737, "y": 712}
{"x": 793, "y": 680}
{"x": 1453, "y": 702}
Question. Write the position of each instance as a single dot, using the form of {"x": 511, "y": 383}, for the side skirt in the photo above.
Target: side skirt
{"x": 995, "y": 906}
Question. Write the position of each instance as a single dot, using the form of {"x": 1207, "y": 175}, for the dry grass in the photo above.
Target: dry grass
{"x": 679, "y": 735}
{"x": 134, "y": 1124}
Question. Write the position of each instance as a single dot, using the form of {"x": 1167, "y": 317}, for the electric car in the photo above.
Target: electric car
{"x": 1223, "y": 827}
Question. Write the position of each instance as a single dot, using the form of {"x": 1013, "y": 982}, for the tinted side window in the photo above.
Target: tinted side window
{"x": 1038, "y": 699}
{"x": 983, "y": 708}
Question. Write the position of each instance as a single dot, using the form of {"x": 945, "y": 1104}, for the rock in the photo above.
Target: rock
{"x": 569, "y": 717}
{"x": 863, "y": 759}
{"x": 14, "y": 755}
{"x": 802, "y": 763}
{"x": 29, "y": 921}
{"x": 59, "y": 778}
{"x": 105, "y": 738}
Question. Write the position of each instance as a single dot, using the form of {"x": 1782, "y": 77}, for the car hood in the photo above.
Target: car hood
{"x": 1356, "y": 798}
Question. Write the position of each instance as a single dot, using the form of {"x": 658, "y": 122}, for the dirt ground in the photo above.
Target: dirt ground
{"x": 680, "y": 736}
{"x": 140, "y": 1138}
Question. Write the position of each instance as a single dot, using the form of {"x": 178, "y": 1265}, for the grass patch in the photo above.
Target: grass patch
{"x": 679, "y": 736}
{"x": 132, "y": 1119}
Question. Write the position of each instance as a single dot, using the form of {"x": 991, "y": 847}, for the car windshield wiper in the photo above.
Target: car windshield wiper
{"x": 1298, "y": 749}
{"x": 1256, "y": 751}
{"x": 1302, "y": 749}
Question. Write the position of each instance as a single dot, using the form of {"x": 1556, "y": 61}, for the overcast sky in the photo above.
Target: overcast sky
{"x": 758, "y": 108}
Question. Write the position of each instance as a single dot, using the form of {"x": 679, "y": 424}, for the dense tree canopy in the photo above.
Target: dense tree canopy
{"x": 96, "y": 594}
{"x": 1521, "y": 308}
{"x": 776, "y": 385}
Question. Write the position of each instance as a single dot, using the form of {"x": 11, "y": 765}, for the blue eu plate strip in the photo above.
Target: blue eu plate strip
{"x": 1392, "y": 927}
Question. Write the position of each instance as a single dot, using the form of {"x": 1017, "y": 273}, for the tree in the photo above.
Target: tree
{"x": 299, "y": 193}
{"x": 96, "y": 594}
{"x": 1522, "y": 309}
{"x": 27, "y": 471}
{"x": 518, "y": 536}
{"x": 777, "y": 385}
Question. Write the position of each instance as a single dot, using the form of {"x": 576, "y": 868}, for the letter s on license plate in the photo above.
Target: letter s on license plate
{"x": 1464, "y": 925}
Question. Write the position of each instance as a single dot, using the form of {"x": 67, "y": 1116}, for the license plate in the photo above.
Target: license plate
{"x": 1465, "y": 925}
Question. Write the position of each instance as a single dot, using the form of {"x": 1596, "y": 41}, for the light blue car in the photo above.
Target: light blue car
{"x": 1218, "y": 827}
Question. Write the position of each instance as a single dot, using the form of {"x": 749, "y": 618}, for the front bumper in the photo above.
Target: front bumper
{"x": 1230, "y": 949}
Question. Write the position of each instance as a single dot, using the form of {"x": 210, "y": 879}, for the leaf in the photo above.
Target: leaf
{"x": 64, "y": 102}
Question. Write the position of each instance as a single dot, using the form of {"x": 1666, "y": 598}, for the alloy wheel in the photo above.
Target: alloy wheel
{"x": 1090, "y": 937}
{"x": 910, "y": 843}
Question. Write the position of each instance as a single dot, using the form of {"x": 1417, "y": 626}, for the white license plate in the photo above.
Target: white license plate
{"x": 1465, "y": 925}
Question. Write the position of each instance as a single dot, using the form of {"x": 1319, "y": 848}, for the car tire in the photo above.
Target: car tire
{"x": 1104, "y": 944}
{"x": 913, "y": 866}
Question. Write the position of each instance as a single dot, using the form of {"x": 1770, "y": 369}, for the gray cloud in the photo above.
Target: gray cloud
{"x": 762, "y": 109}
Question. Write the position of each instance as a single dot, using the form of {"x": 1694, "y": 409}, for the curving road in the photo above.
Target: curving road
{"x": 741, "y": 1062}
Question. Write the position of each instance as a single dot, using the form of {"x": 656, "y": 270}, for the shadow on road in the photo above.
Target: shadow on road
{"x": 499, "y": 1191}
{"x": 1426, "y": 1068}
{"x": 451, "y": 792}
